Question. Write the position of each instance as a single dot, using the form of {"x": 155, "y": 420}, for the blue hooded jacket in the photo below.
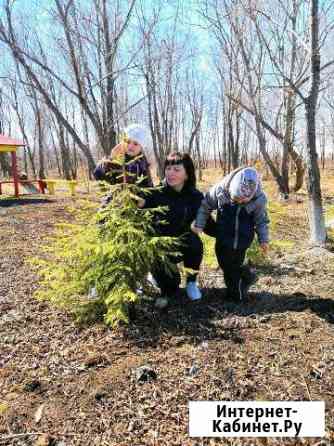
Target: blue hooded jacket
{"x": 237, "y": 222}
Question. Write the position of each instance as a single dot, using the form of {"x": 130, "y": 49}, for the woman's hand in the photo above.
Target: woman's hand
{"x": 195, "y": 229}
{"x": 140, "y": 201}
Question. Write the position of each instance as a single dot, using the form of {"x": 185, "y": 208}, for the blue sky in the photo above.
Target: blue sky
{"x": 36, "y": 12}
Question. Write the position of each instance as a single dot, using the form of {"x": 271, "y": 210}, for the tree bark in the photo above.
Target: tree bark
{"x": 316, "y": 214}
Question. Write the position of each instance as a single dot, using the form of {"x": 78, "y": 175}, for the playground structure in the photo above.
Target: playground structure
{"x": 10, "y": 145}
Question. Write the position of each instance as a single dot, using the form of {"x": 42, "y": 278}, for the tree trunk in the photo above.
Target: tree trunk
{"x": 5, "y": 164}
{"x": 316, "y": 214}
{"x": 40, "y": 142}
{"x": 65, "y": 153}
{"x": 236, "y": 152}
{"x": 300, "y": 169}
{"x": 109, "y": 140}
{"x": 263, "y": 149}
{"x": 199, "y": 159}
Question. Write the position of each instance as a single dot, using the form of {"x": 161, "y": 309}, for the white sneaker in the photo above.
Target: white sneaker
{"x": 193, "y": 292}
{"x": 152, "y": 280}
{"x": 92, "y": 293}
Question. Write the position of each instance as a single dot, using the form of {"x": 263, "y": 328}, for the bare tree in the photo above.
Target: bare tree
{"x": 245, "y": 67}
{"x": 4, "y": 160}
{"x": 80, "y": 81}
{"x": 21, "y": 115}
{"x": 310, "y": 101}
{"x": 160, "y": 68}
{"x": 317, "y": 221}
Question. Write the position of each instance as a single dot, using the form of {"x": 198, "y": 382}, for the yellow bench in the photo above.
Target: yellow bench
{"x": 72, "y": 184}
{"x": 51, "y": 185}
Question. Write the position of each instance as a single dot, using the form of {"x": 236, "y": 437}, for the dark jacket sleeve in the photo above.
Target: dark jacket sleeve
{"x": 144, "y": 174}
{"x": 106, "y": 174}
{"x": 210, "y": 227}
{"x": 152, "y": 197}
{"x": 99, "y": 174}
{"x": 195, "y": 200}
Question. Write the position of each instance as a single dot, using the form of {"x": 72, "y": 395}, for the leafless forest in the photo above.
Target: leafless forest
{"x": 230, "y": 82}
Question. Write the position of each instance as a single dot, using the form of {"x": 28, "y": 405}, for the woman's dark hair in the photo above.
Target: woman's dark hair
{"x": 187, "y": 162}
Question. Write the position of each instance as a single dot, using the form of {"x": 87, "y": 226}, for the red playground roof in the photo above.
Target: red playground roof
{"x": 6, "y": 141}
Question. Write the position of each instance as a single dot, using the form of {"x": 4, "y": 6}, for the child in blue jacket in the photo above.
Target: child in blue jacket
{"x": 241, "y": 208}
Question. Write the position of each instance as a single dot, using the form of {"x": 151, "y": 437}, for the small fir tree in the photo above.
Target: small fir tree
{"x": 110, "y": 252}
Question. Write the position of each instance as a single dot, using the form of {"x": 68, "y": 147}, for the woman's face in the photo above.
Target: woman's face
{"x": 133, "y": 148}
{"x": 176, "y": 176}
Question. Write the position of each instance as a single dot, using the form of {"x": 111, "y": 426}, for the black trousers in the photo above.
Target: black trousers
{"x": 191, "y": 255}
{"x": 231, "y": 262}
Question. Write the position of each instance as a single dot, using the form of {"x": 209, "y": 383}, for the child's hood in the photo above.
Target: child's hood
{"x": 243, "y": 183}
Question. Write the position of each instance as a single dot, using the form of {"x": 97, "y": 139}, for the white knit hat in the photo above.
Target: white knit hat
{"x": 138, "y": 133}
{"x": 244, "y": 184}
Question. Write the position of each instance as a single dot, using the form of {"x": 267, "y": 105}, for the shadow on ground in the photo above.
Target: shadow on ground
{"x": 12, "y": 202}
{"x": 204, "y": 320}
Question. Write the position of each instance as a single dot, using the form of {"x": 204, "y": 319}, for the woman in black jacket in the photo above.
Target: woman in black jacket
{"x": 182, "y": 200}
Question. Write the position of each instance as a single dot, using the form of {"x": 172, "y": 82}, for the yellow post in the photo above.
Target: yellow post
{"x": 51, "y": 186}
{"x": 72, "y": 185}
